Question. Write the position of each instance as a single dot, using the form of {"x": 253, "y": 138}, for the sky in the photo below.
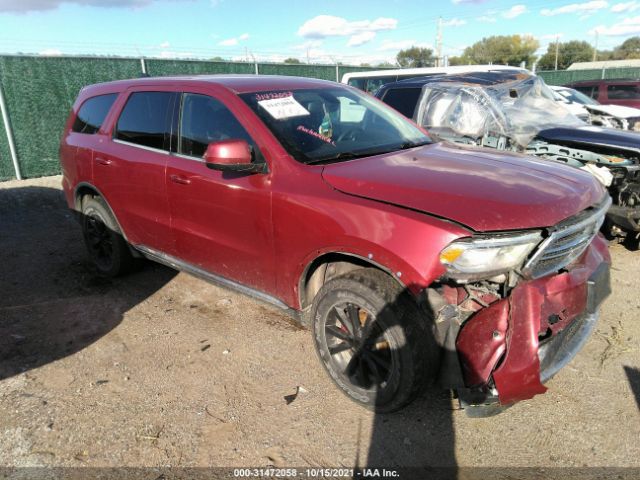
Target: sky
{"x": 326, "y": 31}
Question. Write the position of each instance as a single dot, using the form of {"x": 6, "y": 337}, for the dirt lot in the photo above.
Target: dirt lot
{"x": 162, "y": 369}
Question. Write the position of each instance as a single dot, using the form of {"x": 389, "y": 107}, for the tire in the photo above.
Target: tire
{"x": 372, "y": 340}
{"x": 107, "y": 248}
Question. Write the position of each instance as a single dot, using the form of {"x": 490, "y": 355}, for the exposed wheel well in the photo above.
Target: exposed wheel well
{"x": 83, "y": 191}
{"x": 329, "y": 266}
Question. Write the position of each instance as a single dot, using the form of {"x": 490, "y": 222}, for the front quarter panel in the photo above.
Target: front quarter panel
{"x": 312, "y": 219}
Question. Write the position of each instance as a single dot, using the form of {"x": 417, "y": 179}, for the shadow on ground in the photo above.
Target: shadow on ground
{"x": 633, "y": 374}
{"x": 52, "y": 302}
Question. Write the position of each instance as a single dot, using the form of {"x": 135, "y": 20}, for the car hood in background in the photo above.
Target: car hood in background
{"x": 591, "y": 135}
{"x": 480, "y": 188}
{"x": 619, "y": 111}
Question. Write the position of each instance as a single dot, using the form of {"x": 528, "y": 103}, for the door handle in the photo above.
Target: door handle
{"x": 179, "y": 179}
{"x": 103, "y": 161}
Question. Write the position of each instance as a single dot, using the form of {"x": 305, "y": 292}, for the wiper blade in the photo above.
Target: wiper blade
{"x": 407, "y": 145}
{"x": 340, "y": 156}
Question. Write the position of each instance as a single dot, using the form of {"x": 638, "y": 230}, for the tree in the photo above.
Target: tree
{"x": 385, "y": 64}
{"x": 568, "y": 53}
{"x": 453, "y": 61}
{"x": 415, "y": 57}
{"x": 292, "y": 60}
{"x": 218, "y": 59}
{"x": 629, "y": 49}
{"x": 502, "y": 49}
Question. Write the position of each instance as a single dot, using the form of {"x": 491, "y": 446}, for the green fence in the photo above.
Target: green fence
{"x": 39, "y": 92}
{"x": 562, "y": 77}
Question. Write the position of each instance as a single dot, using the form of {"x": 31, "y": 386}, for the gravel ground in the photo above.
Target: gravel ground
{"x": 161, "y": 369}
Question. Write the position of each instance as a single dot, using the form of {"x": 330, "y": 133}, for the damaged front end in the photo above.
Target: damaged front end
{"x": 521, "y": 115}
{"x": 504, "y": 332}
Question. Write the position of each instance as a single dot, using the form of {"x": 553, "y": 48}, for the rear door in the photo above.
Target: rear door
{"x": 221, "y": 221}
{"x": 84, "y": 137}
{"x": 130, "y": 170}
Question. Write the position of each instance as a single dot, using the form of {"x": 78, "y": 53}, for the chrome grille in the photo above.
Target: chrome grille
{"x": 566, "y": 241}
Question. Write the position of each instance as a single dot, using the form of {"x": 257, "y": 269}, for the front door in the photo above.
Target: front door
{"x": 221, "y": 221}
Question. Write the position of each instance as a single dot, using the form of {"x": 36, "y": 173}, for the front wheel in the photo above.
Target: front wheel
{"x": 372, "y": 340}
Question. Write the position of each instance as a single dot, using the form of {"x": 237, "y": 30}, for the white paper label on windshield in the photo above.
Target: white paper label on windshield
{"x": 286, "y": 107}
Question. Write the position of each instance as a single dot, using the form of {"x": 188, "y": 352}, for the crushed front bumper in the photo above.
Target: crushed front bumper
{"x": 537, "y": 329}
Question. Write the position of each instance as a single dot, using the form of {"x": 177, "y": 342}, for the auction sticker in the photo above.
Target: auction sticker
{"x": 285, "y": 107}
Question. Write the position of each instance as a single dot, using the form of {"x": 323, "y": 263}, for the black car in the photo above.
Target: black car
{"x": 512, "y": 110}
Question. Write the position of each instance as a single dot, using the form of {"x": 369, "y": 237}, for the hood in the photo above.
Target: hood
{"x": 479, "y": 188}
{"x": 591, "y": 135}
{"x": 619, "y": 111}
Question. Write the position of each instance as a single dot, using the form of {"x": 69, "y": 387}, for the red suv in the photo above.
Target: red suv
{"x": 611, "y": 92}
{"x": 412, "y": 261}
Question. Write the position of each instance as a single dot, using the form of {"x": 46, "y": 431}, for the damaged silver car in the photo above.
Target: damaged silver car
{"x": 511, "y": 110}
{"x": 589, "y": 110}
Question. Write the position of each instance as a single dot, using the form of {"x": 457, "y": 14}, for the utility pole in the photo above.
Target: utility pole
{"x": 557, "y": 46}
{"x": 595, "y": 49}
{"x": 439, "y": 43}
{"x": 308, "y": 56}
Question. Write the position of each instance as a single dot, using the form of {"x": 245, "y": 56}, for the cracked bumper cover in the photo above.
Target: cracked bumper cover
{"x": 570, "y": 298}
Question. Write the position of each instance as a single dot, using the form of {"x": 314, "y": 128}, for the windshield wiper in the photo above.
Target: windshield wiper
{"x": 341, "y": 156}
{"x": 407, "y": 145}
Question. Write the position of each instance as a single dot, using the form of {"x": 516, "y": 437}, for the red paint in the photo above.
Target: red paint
{"x": 399, "y": 210}
{"x": 478, "y": 347}
{"x": 228, "y": 152}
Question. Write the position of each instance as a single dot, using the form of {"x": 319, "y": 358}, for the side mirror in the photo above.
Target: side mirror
{"x": 231, "y": 156}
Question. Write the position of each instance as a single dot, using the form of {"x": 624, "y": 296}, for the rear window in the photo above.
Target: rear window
{"x": 92, "y": 113}
{"x": 623, "y": 92}
{"x": 146, "y": 120}
{"x": 403, "y": 100}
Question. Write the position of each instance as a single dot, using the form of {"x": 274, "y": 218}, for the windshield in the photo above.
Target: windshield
{"x": 333, "y": 124}
{"x": 576, "y": 96}
{"x": 516, "y": 109}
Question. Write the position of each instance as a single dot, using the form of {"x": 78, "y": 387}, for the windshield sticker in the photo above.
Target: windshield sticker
{"x": 281, "y": 108}
{"x": 272, "y": 95}
{"x": 319, "y": 136}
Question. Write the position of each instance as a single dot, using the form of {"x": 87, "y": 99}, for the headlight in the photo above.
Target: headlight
{"x": 483, "y": 257}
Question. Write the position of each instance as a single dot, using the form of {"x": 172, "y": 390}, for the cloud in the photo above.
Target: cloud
{"x": 391, "y": 45}
{"x": 230, "y": 42}
{"x": 628, "y": 26}
{"x": 587, "y": 7}
{"x": 50, "y": 52}
{"x": 454, "y": 22}
{"x": 360, "y": 32}
{"x": 551, "y": 36}
{"x": 324, "y": 26}
{"x": 625, "y": 7}
{"x": 165, "y": 45}
{"x": 361, "y": 38}
{"x": 24, "y": 6}
{"x": 487, "y": 19}
{"x": 514, "y": 11}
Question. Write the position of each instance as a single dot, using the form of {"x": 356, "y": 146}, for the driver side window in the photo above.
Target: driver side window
{"x": 204, "y": 120}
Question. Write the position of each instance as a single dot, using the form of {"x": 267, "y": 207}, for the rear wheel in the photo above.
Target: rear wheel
{"x": 107, "y": 248}
{"x": 372, "y": 340}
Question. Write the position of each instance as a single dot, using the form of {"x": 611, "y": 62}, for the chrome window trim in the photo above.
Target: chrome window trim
{"x": 143, "y": 147}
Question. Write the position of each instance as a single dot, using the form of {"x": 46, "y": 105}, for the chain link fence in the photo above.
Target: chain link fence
{"x": 39, "y": 93}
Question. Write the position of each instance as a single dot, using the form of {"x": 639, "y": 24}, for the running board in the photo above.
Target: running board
{"x": 217, "y": 280}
